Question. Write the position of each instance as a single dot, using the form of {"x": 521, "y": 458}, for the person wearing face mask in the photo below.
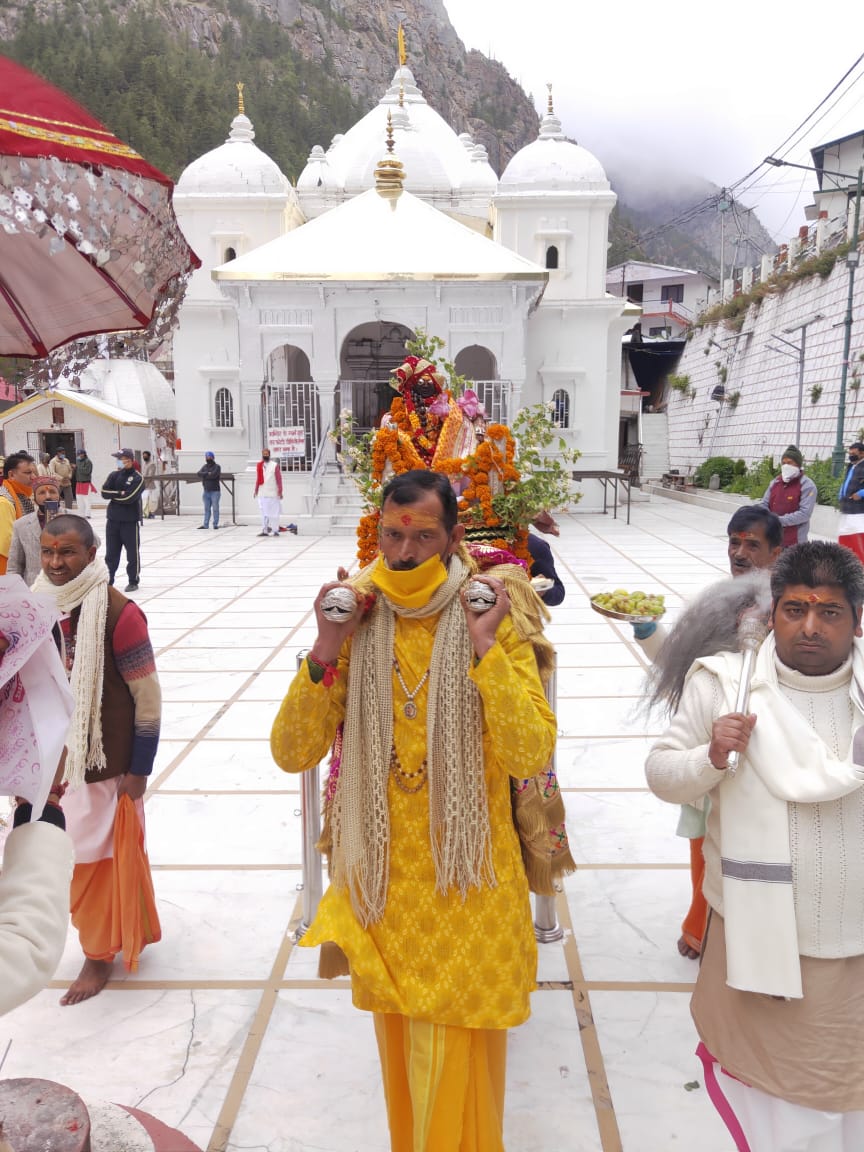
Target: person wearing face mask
{"x": 791, "y": 496}
{"x": 850, "y": 499}
{"x": 268, "y": 489}
{"x": 438, "y": 705}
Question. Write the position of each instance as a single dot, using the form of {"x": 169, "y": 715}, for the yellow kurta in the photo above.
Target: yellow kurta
{"x": 432, "y": 957}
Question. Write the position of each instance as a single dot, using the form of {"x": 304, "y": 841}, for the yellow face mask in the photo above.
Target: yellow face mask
{"x": 412, "y": 588}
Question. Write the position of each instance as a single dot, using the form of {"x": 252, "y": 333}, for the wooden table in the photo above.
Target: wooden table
{"x": 163, "y": 478}
{"x": 606, "y": 478}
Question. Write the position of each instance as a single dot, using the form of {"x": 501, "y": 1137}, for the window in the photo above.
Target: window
{"x": 230, "y": 254}
{"x": 561, "y": 409}
{"x": 673, "y": 293}
{"x": 634, "y": 292}
{"x": 551, "y": 256}
{"x": 224, "y": 408}
{"x": 662, "y": 331}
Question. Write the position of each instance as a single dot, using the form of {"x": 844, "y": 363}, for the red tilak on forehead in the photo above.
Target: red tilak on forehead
{"x": 406, "y": 519}
{"x": 814, "y": 599}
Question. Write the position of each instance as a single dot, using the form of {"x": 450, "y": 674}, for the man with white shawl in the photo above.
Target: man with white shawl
{"x": 779, "y": 1002}
{"x": 35, "y": 706}
{"x": 111, "y": 747}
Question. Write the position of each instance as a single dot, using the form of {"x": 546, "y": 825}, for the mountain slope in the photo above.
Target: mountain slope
{"x": 162, "y": 74}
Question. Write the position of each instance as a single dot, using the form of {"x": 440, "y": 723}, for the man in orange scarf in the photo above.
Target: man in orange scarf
{"x": 16, "y": 498}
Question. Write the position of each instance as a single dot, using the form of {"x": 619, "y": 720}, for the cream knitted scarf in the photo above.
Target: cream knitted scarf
{"x": 786, "y": 762}
{"x": 458, "y": 809}
{"x": 89, "y": 590}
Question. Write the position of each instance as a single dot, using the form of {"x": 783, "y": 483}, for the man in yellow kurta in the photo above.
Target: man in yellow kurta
{"x": 428, "y": 898}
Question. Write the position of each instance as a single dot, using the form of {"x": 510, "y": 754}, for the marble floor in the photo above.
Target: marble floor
{"x": 226, "y": 1033}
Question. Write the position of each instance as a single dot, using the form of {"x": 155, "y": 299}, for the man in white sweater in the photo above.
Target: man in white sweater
{"x": 779, "y": 1002}
{"x": 755, "y": 541}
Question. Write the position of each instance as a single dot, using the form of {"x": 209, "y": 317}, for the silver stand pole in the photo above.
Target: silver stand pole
{"x": 546, "y": 927}
{"x": 311, "y": 884}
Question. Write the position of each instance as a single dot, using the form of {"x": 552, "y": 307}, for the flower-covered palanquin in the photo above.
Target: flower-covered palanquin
{"x": 427, "y": 426}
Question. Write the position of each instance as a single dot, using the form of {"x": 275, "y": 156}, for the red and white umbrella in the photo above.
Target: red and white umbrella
{"x": 88, "y": 238}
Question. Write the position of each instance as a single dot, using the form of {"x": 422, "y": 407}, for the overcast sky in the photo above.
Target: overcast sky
{"x": 715, "y": 90}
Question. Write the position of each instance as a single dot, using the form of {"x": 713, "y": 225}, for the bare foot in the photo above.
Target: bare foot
{"x": 683, "y": 947}
{"x": 91, "y": 980}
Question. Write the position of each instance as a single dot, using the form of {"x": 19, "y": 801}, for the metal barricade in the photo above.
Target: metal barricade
{"x": 311, "y": 884}
{"x": 546, "y": 927}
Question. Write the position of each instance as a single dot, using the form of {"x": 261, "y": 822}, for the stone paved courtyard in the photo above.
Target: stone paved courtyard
{"x": 226, "y": 1032}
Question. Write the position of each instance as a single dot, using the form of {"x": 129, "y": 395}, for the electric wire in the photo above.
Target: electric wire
{"x": 713, "y": 200}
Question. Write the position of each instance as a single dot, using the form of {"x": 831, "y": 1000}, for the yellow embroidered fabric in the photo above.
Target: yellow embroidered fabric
{"x": 434, "y": 957}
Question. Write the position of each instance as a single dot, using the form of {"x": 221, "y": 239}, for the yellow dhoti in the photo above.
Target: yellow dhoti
{"x": 444, "y": 1086}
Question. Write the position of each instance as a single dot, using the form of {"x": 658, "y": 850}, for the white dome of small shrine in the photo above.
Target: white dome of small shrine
{"x": 133, "y": 385}
{"x": 552, "y": 163}
{"x": 236, "y": 168}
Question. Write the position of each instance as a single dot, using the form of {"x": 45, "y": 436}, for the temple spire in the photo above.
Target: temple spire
{"x": 241, "y": 111}
{"x": 389, "y": 172}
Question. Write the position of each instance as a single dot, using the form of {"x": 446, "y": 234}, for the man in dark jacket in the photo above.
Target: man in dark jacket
{"x": 542, "y": 561}
{"x": 850, "y": 526}
{"x": 211, "y": 483}
{"x": 123, "y": 490}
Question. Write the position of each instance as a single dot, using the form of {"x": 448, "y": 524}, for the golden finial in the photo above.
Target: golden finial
{"x": 241, "y": 111}
{"x": 400, "y": 39}
{"x": 389, "y": 132}
{"x": 389, "y": 173}
{"x": 549, "y": 109}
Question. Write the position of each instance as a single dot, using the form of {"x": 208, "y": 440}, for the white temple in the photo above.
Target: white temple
{"x": 305, "y": 298}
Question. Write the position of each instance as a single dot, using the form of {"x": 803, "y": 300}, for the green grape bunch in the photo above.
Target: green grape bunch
{"x": 630, "y": 603}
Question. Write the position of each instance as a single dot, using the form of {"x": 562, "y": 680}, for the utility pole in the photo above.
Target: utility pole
{"x": 723, "y": 205}
{"x": 800, "y": 351}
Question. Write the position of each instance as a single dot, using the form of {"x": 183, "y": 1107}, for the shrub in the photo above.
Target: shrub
{"x": 827, "y": 486}
{"x": 680, "y": 384}
{"x": 754, "y": 482}
{"x": 724, "y": 466}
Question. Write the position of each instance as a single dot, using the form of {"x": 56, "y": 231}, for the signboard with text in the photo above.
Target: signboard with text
{"x": 287, "y": 441}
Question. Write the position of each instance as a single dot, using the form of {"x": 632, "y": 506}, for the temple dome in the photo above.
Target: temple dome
{"x": 440, "y": 165}
{"x": 236, "y": 168}
{"x": 133, "y": 385}
{"x": 552, "y": 163}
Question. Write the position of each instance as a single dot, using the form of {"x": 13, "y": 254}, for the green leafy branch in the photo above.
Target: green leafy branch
{"x": 354, "y": 453}
{"x": 545, "y": 478}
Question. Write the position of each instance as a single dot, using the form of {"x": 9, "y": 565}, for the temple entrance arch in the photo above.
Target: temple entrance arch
{"x": 369, "y": 354}
{"x": 290, "y": 413}
{"x": 478, "y": 364}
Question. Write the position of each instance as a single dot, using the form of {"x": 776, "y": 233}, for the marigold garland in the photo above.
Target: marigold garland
{"x": 488, "y": 459}
{"x": 367, "y": 537}
{"x": 395, "y": 447}
{"x": 417, "y": 439}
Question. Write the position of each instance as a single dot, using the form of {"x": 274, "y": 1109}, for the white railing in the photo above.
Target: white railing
{"x": 319, "y": 464}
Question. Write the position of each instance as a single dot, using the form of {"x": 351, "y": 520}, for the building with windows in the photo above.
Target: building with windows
{"x": 834, "y": 201}
{"x": 306, "y": 296}
{"x": 670, "y": 298}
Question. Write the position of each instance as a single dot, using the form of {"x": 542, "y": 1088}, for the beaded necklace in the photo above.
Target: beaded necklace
{"x": 409, "y": 707}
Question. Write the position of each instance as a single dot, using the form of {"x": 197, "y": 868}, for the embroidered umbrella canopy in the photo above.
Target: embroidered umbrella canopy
{"x": 88, "y": 238}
